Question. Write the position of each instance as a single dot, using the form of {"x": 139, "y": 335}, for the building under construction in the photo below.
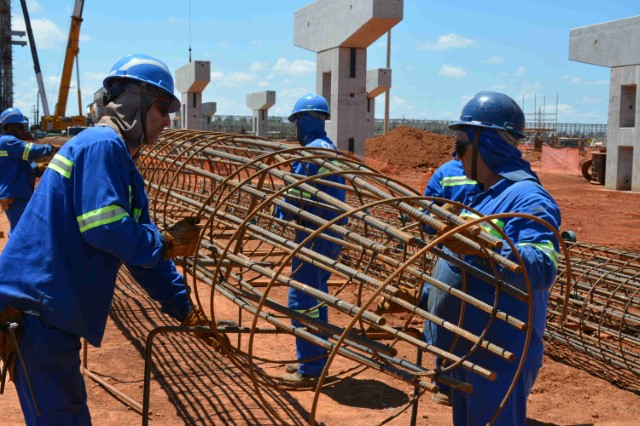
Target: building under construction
{"x": 6, "y": 54}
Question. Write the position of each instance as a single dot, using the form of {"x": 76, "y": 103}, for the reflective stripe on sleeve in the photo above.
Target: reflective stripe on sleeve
{"x": 314, "y": 313}
{"x": 547, "y": 248}
{"x": 102, "y": 216}
{"x": 485, "y": 226}
{"x": 456, "y": 181}
{"x": 61, "y": 165}
{"x": 4, "y": 154}
{"x": 297, "y": 193}
{"x": 27, "y": 150}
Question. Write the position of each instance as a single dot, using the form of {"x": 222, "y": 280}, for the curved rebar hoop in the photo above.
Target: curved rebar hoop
{"x": 234, "y": 183}
{"x": 599, "y": 315}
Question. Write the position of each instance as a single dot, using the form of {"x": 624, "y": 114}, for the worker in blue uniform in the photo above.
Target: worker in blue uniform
{"x": 486, "y": 142}
{"x": 309, "y": 114}
{"x": 88, "y": 216}
{"x": 448, "y": 182}
{"x": 18, "y": 171}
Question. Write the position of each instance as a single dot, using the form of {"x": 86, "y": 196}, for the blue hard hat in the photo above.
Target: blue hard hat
{"x": 494, "y": 111}
{"x": 12, "y": 115}
{"x": 144, "y": 68}
{"x": 311, "y": 103}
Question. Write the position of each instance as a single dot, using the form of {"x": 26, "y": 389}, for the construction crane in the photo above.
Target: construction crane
{"x": 36, "y": 62}
{"x": 58, "y": 121}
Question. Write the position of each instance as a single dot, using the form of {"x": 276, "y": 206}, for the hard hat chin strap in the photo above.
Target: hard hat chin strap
{"x": 144, "y": 110}
{"x": 476, "y": 153}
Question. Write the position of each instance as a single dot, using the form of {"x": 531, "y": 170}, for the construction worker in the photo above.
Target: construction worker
{"x": 488, "y": 131}
{"x": 309, "y": 115}
{"x": 448, "y": 182}
{"x": 88, "y": 217}
{"x": 18, "y": 172}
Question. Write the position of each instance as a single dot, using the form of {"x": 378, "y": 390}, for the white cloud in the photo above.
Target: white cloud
{"x": 447, "y": 41}
{"x": 453, "y": 72}
{"x": 494, "y": 60}
{"x": 588, "y": 100}
{"x": 522, "y": 70}
{"x": 264, "y": 83}
{"x": 580, "y": 81}
{"x": 224, "y": 44}
{"x": 297, "y": 67}
{"x": 258, "y": 66}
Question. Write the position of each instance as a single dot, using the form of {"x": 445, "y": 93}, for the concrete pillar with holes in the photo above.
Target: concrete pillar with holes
{"x": 208, "y": 110}
{"x": 378, "y": 82}
{"x": 340, "y": 32}
{"x": 191, "y": 80}
{"x": 260, "y": 102}
{"x": 615, "y": 45}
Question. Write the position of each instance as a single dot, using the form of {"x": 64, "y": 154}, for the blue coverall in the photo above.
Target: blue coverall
{"x": 17, "y": 173}
{"x": 449, "y": 182}
{"x": 519, "y": 191}
{"x": 313, "y": 135}
{"x": 88, "y": 216}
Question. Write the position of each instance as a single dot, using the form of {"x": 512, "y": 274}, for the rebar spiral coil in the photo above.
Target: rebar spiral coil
{"x": 602, "y": 307}
{"x": 233, "y": 182}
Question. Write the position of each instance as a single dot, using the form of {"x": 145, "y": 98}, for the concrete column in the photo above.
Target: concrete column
{"x": 615, "y": 45}
{"x": 260, "y": 102}
{"x": 378, "y": 82}
{"x": 191, "y": 80}
{"x": 340, "y": 32}
{"x": 208, "y": 110}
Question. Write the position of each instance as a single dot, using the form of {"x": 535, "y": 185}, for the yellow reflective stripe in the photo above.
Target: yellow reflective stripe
{"x": 4, "y": 154}
{"x": 547, "y": 248}
{"x": 485, "y": 226}
{"x": 298, "y": 193}
{"x": 456, "y": 181}
{"x": 61, "y": 165}
{"x": 136, "y": 214}
{"x": 323, "y": 170}
{"x": 27, "y": 149}
{"x": 102, "y": 216}
{"x": 314, "y": 313}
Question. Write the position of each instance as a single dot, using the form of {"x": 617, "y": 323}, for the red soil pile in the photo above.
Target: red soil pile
{"x": 409, "y": 148}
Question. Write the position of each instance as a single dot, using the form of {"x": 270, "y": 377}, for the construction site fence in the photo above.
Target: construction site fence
{"x": 279, "y": 128}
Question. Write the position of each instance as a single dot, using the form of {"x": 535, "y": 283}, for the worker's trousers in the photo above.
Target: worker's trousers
{"x": 52, "y": 358}
{"x": 312, "y": 357}
{"x": 14, "y": 213}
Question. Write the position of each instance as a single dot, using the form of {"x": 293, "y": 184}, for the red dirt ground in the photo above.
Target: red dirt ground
{"x": 194, "y": 385}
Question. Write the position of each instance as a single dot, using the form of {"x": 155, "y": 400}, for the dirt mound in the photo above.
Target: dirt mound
{"x": 409, "y": 148}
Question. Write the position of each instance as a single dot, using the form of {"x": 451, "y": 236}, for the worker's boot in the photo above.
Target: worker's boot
{"x": 292, "y": 368}
{"x": 298, "y": 379}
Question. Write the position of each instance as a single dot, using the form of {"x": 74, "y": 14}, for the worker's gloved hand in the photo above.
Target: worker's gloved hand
{"x": 5, "y": 203}
{"x": 40, "y": 168}
{"x": 459, "y": 247}
{"x": 408, "y": 294}
{"x": 196, "y": 318}
{"x": 181, "y": 239}
{"x": 56, "y": 146}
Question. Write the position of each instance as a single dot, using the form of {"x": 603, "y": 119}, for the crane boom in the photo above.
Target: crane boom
{"x": 34, "y": 54}
{"x": 58, "y": 122}
{"x": 70, "y": 55}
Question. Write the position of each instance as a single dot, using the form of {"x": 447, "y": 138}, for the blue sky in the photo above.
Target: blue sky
{"x": 442, "y": 52}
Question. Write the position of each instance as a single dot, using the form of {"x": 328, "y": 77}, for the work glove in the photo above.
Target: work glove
{"x": 40, "y": 168}
{"x": 408, "y": 294}
{"x": 453, "y": 244}
{"x": 181, "y": 239}
{"x": 196, "y": 318}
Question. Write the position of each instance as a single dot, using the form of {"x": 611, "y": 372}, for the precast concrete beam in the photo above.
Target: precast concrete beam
{"x": 261, "y": 100}
{"x": 378, "y": 81}
{"x": 209, "y": 108}
{"x": 326, "y": 24}
{"x": 610, "y": 44}
{"x": 193, "y": 77}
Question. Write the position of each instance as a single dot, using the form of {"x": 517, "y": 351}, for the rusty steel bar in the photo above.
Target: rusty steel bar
{"x": 234, "y": 182}
{"x": 602, "y": 307}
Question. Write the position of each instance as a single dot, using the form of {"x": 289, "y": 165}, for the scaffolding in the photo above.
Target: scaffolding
{"x": 541, "y": 124}
{"x": 6, "y": 54}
